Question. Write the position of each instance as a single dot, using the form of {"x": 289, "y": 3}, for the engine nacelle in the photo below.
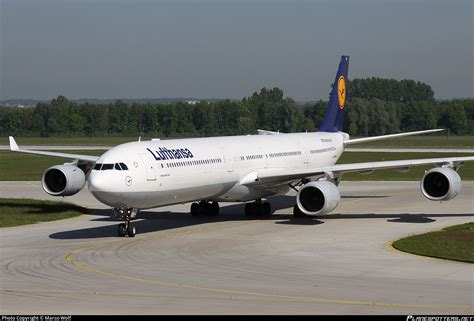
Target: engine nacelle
{"x": 320, "y": 197}
{"x": 63, "y": 180}
{"x": 441, "y": 184}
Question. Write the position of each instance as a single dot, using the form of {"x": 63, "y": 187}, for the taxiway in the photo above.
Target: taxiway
{"x": 341, "y": 263}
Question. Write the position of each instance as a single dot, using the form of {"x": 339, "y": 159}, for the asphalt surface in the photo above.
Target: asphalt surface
{"x": 177, "y": 264}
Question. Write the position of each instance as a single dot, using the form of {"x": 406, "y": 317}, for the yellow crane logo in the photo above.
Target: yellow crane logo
{"x": 341, "y": 91}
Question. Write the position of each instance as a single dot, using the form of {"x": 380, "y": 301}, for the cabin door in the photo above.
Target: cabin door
{"x": 149, "y": 164}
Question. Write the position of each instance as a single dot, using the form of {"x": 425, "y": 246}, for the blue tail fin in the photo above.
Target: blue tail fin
{"x": 334, "y": 117}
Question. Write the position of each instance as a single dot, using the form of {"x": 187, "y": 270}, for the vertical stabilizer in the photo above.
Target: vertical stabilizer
{"x": 334, "y": 117}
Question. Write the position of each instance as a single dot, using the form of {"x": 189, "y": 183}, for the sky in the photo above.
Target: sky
{"x": 229, "y": 48}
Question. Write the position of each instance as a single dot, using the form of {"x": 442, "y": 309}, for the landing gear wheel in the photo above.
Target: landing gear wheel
{"x": 297, "y": 212}
{"x": 126, "y": 214}
{"x": 122, "y": 230}
{"x": 195, "y": 209}
{"x": 131, "y": 231}
{"x": 249, "y": 209}
{"x": 204, "y": 208}
{"x": 258, "y": 209}
{"x": 214, "y": 208}
{"x": 267, "y": 209}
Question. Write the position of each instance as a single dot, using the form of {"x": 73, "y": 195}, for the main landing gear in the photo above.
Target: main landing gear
{"x": 296, "y": 210}
{"x": 126, "y": 214}
{"x": 298, "y": 213}
{"x": 204, "y": 208}
{"x": 258, "y": 208}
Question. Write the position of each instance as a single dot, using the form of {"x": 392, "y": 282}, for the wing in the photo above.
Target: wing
{"x": 281, "y": 176}
{"x": 375, "y": 138}
{"x": 85, "y": 158}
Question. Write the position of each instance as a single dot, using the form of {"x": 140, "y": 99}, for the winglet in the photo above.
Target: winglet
{"x": 13, "y": 144}
{"x": 267, "y": 132}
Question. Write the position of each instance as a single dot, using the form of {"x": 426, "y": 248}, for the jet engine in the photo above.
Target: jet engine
{"x": 441, "y": 184}
{"x": 319, "y": 197}
{"x": 63, "y": 180}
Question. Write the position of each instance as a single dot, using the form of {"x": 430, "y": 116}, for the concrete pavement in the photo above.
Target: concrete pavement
{"x": 178, "y": 264}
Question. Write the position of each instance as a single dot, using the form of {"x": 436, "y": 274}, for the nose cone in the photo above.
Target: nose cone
{"x": 96, "y": 182}
{"x": 103, "y": 189}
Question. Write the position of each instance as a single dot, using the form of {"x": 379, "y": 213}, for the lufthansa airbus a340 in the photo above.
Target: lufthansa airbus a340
{"x": 206, "y": 171}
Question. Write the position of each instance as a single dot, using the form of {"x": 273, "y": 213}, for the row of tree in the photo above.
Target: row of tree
{"x": 377, "y": 112}
{"x": 390, "y": 89}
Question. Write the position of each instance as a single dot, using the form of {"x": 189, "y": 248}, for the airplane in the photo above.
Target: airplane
{"x": 205, "y": 171}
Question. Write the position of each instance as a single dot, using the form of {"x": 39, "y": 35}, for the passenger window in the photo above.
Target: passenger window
{"x": 117, "y": 167}
{"x": 107, "y": 167}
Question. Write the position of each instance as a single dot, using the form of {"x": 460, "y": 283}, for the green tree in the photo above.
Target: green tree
{"x": 454, "y": 117}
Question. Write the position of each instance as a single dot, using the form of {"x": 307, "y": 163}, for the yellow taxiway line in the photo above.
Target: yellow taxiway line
{"x": 254, "y": 296}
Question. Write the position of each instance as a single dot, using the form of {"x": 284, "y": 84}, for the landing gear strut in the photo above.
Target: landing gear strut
{"x": 297, "y": 212}
{"x": 126, "y": 214}
{"x": 204, "y": 208}
{"x": 258, "y": 208}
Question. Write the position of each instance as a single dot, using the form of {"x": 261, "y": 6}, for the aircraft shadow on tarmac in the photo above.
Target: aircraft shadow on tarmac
{"x": 151, "y": 221}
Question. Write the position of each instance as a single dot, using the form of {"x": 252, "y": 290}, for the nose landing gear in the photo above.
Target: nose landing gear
{"x": 126, "y": 229}
{"x": 126, "y": 214}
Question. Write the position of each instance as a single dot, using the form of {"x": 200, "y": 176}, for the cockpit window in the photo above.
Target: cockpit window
{"x": 107, "y": 167}
{"x": 116, "y": 166}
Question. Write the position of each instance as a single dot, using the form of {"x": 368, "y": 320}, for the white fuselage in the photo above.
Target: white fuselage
{"x": 165, "y": 172}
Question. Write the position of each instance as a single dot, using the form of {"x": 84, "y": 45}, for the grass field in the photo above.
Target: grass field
{"x": 441, "y": 141}
{"x": 25, "y": 167}
{"x": 14, "y": 212}
{"x": 452, "y": 243}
